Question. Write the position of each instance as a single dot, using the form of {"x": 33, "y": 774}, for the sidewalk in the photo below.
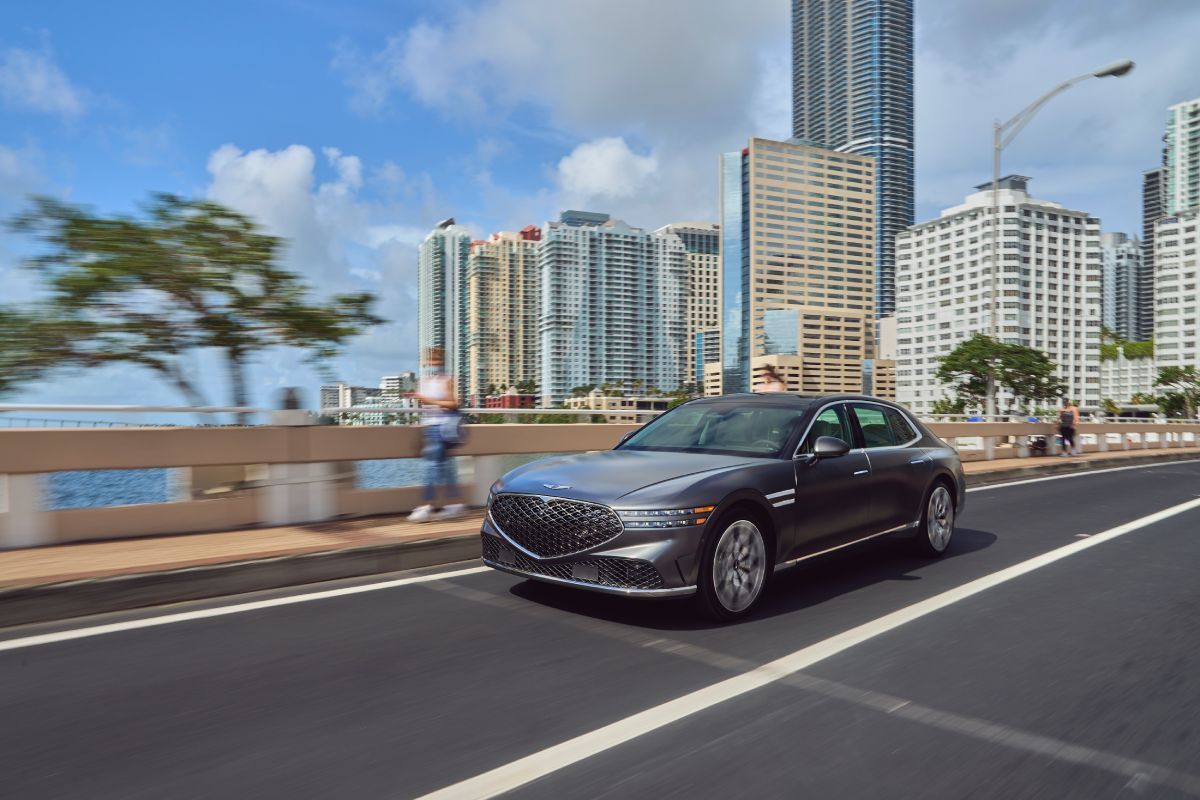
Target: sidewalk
{"x": 45, "y": 583}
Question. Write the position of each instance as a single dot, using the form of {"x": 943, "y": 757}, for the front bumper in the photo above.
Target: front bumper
{"x": 647, "y": 570}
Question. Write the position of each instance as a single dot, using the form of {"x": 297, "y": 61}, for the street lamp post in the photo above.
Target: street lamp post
{"x": 1002, "y": 136}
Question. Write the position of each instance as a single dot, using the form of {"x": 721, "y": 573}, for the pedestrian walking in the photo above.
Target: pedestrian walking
{"x": 771, "y": 382}
{"x": 1068, "y": 419}
{"x": 441, "y": 423}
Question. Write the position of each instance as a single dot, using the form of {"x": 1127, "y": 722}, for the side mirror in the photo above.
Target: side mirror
{"x": 829, "y": 447}
{"x": 625, "y": 438}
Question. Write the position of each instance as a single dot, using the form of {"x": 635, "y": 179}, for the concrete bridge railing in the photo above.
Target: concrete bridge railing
{"x": 290, "y": 474}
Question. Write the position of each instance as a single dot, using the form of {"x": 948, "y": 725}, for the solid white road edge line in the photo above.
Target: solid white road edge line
{"x": 1081, "y": 474}
{"x": 525, "y": 770}
{"x": 206, "y": 613}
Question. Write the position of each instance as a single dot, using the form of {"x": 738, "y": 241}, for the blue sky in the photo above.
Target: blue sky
{"x": 352, "y": 128}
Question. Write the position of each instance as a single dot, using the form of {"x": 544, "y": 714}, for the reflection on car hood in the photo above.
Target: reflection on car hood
{"x": 607, "y": 476}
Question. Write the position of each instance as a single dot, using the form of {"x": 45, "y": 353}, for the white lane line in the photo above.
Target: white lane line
{"x": 517, "y": 773}
{"x": 1081, "y": 474}
{"x": 206, "y": 613}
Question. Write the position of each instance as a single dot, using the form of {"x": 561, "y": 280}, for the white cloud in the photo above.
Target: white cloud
{"x": 340, "y": 240}
{"x": 603, "y": 169}
{"x": 1087, "y": 148}
{"x": 680, "y": 86}
{"x": 686, "y": 86}
{"x": 18, "y": 173}
{"x": 30, "y": 80}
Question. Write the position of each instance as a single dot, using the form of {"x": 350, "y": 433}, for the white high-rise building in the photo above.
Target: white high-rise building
{"x": 1182, "y": 157}
{"x": 1176, "y": 299}
{"x": 393, "y": 386}
{"x": 613, "y": 306}
{"x": 442, "y": 298}
{"x": 1050, "y": 289}
{"x": 1123, "y": 378}
{"x": 1122, "y": 276}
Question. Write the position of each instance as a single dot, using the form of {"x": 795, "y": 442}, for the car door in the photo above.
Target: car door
{"x": 899, "y": 469}
{"x": 832, "y": 497}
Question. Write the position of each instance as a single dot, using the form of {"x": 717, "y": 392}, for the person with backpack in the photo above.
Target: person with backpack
{"x": 442, "y": 424}
{"x": 1068, "y": 419}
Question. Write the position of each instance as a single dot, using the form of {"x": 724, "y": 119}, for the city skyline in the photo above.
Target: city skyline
{"x": 852, "y": 90}
{"x": 359, "y": 165}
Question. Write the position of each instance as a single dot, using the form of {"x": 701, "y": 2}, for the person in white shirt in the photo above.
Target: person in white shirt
{"x": 440, "y": 419}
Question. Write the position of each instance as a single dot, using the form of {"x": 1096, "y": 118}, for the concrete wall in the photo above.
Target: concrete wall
{"x": 306, "y": 469}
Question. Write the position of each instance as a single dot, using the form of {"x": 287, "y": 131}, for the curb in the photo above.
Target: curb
{"x": 57, "y": 601}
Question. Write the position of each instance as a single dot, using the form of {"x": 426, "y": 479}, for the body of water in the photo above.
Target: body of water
{"x": 134, "y": 486}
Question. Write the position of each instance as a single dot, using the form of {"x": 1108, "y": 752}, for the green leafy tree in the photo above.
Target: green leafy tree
{"x": 1111, "y": 407}
{"x": 1184, "y": 382}
{"x": 684, "y": 393}
{"x": 527, "y": 387}
{"x": 191, "y": 274}
{"x": 1028, "y": 374}
{"x": 981, "y": 361}
{"x": 949, "y": 406}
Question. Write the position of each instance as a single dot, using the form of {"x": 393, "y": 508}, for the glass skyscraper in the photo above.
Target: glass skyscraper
{"x": 852, "y": 90}
{"x": 797, "y": 244}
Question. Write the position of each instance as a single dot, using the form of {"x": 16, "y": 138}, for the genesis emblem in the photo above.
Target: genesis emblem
{"x": 555, "y": 486}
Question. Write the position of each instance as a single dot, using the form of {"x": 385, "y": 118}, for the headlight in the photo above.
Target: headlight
{"x": 666, "y": 518}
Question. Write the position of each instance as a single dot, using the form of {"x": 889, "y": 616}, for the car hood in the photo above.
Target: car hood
{"x": 607, "y": 476}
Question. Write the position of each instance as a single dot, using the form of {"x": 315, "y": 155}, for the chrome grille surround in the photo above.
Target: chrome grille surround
{"x": 618, "y": 573}
{"x": 550, "y": 527}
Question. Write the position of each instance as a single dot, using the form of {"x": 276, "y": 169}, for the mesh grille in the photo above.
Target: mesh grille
{"x": 553, "y": 527}
{"x": 621, "y": 573}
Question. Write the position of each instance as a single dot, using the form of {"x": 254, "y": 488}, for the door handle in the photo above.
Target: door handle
{"x": 917, "y": 461}
{"x": 862, "y": 472}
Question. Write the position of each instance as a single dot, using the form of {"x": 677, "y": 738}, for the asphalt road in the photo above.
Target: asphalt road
{"x": 1076, "y": 679}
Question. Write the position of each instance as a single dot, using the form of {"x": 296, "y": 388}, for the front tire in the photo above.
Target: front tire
{"x": 735, "y": 568}
{"x": 937, "y": 522}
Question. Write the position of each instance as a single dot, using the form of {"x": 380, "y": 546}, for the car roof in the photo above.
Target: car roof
{"x": 788, "y": 398}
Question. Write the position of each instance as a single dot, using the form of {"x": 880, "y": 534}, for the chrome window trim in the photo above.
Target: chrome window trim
{"x": 813, "y": 421}
{"x": 907, "y": 419}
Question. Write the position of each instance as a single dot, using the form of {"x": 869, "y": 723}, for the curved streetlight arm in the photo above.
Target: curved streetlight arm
{"x": 1022, "y": 119}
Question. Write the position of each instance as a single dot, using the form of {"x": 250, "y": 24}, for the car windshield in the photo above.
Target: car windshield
{"x": 736, "y": 429}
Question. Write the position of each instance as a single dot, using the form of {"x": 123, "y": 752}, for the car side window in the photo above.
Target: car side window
{"x": 876, "y": 430}
{"x": 830, "y": 422}
{"x": 902, "y": 429}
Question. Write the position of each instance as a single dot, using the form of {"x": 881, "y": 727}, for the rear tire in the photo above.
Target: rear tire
{"x": 736, "y": 567}
{"x": 936, "y": 528}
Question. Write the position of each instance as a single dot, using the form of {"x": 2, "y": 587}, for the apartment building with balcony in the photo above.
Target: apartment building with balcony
{"x": 613, "y": 305}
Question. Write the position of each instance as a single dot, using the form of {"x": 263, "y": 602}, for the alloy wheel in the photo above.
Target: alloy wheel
{"x": 940, "y": 518}
{"x": 739, "y": 566}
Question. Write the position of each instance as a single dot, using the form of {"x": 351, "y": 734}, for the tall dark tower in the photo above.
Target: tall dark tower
{"x": 852, "y": 90}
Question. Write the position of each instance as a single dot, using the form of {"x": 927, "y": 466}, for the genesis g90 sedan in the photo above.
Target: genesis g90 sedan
{"x": 712, "y": 497}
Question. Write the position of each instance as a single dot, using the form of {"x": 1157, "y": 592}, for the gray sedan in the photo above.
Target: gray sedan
{"x": 714, "y": 496}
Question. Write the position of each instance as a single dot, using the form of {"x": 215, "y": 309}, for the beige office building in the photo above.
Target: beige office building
{"x": 797, "y": 267}
{"x": 703, "y": 243}
{"x": 503, "y": 297}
